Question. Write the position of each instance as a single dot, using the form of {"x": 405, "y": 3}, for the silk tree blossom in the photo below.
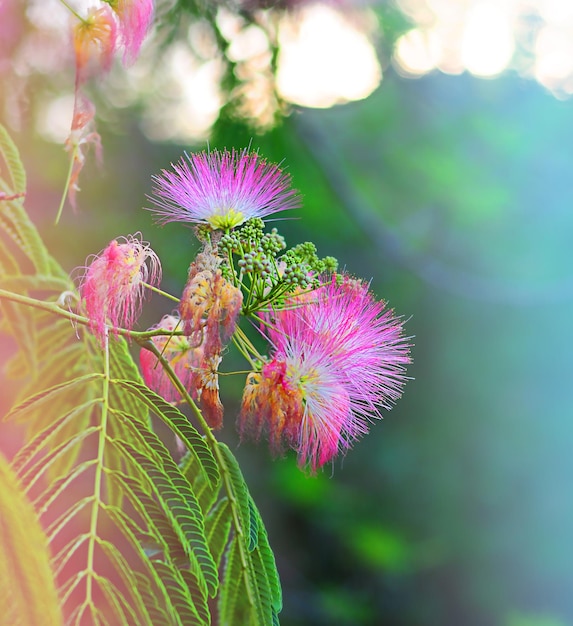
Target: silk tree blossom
{"x": 181, "y": 356}
{"x": 222, "y": 189}
{"x": 113, "y": 284}
{"x": 107, "y": 28}
{"x": 340, "y": 306}
{"x": 208, "y": 391}
{"x": 301, "y": 402}
{"x": 197, "y": 374}
{"x": 210, "y": 304}
{"x": 95, "y": 40}
{"x": 337, "y": 355}
{"x": 135, "y": 18}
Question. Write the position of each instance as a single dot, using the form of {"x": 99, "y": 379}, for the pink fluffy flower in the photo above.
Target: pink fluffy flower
{"x": 337, "y": 356}
{"x": 222, "y": 189}
{"x": 113, "y": 285}
{"x": 135, "y": 18}
{"x": 183, "y": 358}
{"x": 366, "y": 339}
{"x": 300, "y": 401}
{"x": 95, "y": 42}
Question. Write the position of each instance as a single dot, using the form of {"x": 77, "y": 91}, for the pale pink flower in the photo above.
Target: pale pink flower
{"x": 95, "y": 41}
{"x": 12, "y": 30}
{"x": 135, "y": 18}
{"x": 181, "y": 356}
{"x": 222, "y": 189}
{"x": 337, "y": 356}
{"x": 114, "y": 283}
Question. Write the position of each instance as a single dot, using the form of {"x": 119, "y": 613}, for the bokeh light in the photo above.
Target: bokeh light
{"x": 324, "y": 60}
{"x": 486, "y": 37}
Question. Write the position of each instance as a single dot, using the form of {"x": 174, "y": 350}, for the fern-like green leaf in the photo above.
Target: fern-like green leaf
{"x": 181, "y": 510}
{"x": 200, "y": 602}
{"x": 122, "y": 455}
{"x": 8, "y": 264}
{"x": 122, "y": 367}
{"x": 205, "y": 492}
{"x": 23, "y": 330}
{"x": 51, "y": 430}
{"x": 15, "y": 223}
{"x": 240, "y": 491}
{"x": 51, "y": 395}
{"x": 263, "y": 596}
{"x": 250, "y": 587}
{"x": 185, "y": 612}
{"x": 217, "y": 528}
{"x": 27, "y": 593}
{"x": 231, "y": 606}
{"x": 179, "y": 424}
{"x": 11, "y": 157}
{"x": 61, "y": 357}
{"x": 253, "y": 528}
{"x": 129, "y": 600}
{"x": 268, "y": 564}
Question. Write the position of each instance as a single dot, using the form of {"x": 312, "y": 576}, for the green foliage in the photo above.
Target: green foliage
{"x": 251, "y": 593}
{"x": 135, "y": 537}
{"x": 27, "y": 594}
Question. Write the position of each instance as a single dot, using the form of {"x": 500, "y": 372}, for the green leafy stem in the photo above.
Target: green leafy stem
{"x": 213, "y": 444}
{"x": 56, "y": 309}
{"x": 143, "y": 338}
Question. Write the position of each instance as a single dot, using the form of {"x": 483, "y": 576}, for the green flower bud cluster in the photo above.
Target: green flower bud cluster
{"x": 304, "y": 263}
{"x": 257, "y": 250}
{"x": 250, "y": 238}
{"x": 263, "y": 275}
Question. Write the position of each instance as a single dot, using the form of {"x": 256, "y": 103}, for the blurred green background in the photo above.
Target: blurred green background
{"x": 453, "y": 194}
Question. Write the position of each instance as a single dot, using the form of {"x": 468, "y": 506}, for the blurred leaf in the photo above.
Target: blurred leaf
{"x": 299, "y": 488}
{"x": 380, "y": 547}
{"x": 344, "y": 607}
{"x": 27, "y": 594}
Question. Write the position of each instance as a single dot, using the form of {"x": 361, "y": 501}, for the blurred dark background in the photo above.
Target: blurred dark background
{"x": 448, "y": 183}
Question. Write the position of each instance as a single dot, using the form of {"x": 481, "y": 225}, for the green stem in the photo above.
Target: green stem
{"x": 242, "y": 350}
{"x": 249, "y": 298}
{"x": 90, "y": 567}
{"x": 69, "y": 177}
{"x": 161, "y": 292}
{"x": 236, "y": 281}
{"x": 55, "y": 308}
{"x": 73, "y": 11}
{"x": 245, "y": 345}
